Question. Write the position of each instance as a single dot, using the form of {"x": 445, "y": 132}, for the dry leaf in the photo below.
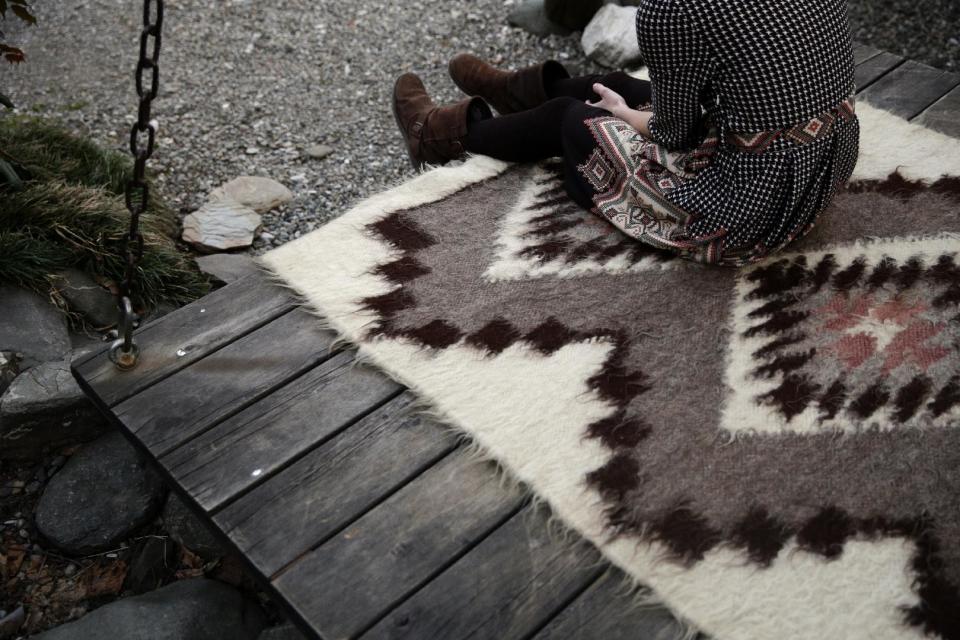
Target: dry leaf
{"x": 10, "y": 563}
{"x": 106, "y": 579}
{"x": 191, "y": 565}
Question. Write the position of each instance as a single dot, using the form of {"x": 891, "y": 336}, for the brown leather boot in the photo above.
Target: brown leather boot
{"x": 433, "y": 134}
{"x": 507, "y": 91}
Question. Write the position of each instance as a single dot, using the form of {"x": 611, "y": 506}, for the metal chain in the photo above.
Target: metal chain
{"x": 124, "y": 351}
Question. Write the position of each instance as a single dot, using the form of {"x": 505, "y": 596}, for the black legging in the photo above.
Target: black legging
{"x": 535, "y": 134}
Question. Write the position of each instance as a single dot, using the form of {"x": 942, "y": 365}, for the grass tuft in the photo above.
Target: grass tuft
{"x": 71, "y": 213}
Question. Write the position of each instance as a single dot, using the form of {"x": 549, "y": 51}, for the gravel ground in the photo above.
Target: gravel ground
{"x": 247, "y": 85}
{"x": 927, "y": 31}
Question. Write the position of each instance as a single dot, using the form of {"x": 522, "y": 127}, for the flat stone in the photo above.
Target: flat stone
{"x": 531, "y": 16}
{"x": 84, "y": 343}
{"x": 154, "y": 563}
{"x": 196, "y": 609}
{"x": 11, "y": 622}
{"x": 283, "y": 632}
{"x": 86, "y": 296}
{"x": 189, "y": 531}
{"x": 258, "y": 193}
{"x": 9, "y": 369}
{"x": 610, "y": 39}
{"x": 103, "y": 494}
{"x": 221, "y": 225}
{"x": 318, "y": 151}
{"x": 32, "y": 326}
{"x": 227, "y": 267}
{"x": 45, "y": 407}
{"x": 571, "y": 14}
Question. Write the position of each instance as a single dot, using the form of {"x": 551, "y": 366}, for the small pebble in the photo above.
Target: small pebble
{"x": 318, "y": 151}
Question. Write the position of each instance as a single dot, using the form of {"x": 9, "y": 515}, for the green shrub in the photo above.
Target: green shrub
{"x": 69, "y": 212}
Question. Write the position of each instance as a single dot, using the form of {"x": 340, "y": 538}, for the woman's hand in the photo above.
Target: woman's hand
{"x": 609, "y": 100}
{"x": 617, "y": 106}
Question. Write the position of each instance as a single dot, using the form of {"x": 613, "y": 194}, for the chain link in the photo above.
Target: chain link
{"x": 143, "y": 135}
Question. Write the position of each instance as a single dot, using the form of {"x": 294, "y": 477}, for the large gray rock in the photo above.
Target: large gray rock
{"x": 572, "y": 14}
{"x": 260, "y": 194}
{"x": 188, "y": 530}
{"x": 104, "y": 493}
{"x": 531, "y": 16}
{"x": 283, "y": 632}
{"x": 197, "y": 609}
{"x": 221, "y": 225}
{"x": 611, "y": 37}
{"x": 227, "y": 267}
{"x": 44, "y": 407}
{"x": 32, "y": 326}
{"x": 87, "y": 297}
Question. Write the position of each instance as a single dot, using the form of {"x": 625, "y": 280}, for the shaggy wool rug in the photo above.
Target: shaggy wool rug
{"x": 774, "y": 450}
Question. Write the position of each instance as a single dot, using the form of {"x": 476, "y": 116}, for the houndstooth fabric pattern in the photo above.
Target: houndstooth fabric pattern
{"x": 749, "y": 67}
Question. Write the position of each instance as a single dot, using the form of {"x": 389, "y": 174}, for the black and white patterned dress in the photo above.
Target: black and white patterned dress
{"x": 753, "y": 128}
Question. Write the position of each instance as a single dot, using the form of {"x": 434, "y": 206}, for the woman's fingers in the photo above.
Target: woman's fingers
{"x": 601, "y": 91}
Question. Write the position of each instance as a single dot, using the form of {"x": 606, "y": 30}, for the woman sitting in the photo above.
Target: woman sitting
{"x": 731, "y": 150}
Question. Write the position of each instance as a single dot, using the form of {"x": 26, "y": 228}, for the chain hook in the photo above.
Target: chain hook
{"x": 124, "y": 351}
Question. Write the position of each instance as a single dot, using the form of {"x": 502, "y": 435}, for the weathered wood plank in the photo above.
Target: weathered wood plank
{"x": 863, "y": 52}
{"x": 506, "y": 587}
{"x": 312, "y": 499}
{"x": 874, "y": 68}
{"x": 910, "y": 88}
{"x": 250, "y": 446}
{"x": 392, "y": 550}
{"x": 608, "y": 611}
{"x": 944, "y": 114}
{"x": 180, "y": 407}
{"x": 194, "y": 330}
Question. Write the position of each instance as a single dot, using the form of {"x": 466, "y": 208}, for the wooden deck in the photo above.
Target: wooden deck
{"x": 363, "y": 519}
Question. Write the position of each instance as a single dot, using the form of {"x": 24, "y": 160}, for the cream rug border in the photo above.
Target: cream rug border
{"x": 800, "y": 596}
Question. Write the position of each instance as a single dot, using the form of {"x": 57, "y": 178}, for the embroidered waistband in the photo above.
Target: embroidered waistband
{"x": 797, "y": 135}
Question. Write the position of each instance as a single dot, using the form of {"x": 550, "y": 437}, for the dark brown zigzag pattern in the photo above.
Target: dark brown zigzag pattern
{"x": 786, "y": 281}
{"x": 896, "y": 186}
{"x": 680, "y": 529}
{"x": 689, "y": 537}
{"x": 561, "y": 215}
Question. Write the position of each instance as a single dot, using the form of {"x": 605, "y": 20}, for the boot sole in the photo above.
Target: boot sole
{"x": 417, "y": 164}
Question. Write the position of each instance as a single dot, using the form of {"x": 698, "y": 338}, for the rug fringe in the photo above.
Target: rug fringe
{"x": 641, "y": 596}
